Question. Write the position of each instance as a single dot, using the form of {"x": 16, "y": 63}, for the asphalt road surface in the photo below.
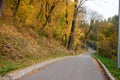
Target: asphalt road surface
{"x": 77, "y": 68}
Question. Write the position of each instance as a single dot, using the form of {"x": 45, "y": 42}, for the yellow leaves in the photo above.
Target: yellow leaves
{"x": 8, "y": 12}
{"x": 52, "y": 23}
{"x": 26, "y": 12}
{"x": 101, "y": 36}
{"x": 26, "y": 1}
{"x": 67, "y": 32}
{"x": 114, "y": 39}
{"x": 78, "y": 34}
{"x": 36, "y": 12}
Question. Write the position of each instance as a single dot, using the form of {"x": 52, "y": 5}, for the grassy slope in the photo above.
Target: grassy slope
{"x": 111, "y": 65}
{"x": 22, "y": 48}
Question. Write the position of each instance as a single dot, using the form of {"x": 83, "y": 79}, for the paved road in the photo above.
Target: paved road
{"x": 76, "y": 68}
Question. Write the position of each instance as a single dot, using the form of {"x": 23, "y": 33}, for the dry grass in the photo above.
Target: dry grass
{"x": 21, "y": 48}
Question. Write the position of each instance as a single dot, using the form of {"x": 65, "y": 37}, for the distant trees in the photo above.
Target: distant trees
{"x": 110, "y": 32}
{"x": 107, "y": 37}
{"x": 92, "y": 18}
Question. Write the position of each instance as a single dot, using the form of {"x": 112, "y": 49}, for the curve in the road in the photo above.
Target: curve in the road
{"x": 76, "y": 68}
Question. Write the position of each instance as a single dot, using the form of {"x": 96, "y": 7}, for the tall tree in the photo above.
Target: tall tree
{"x": 77, "y": 8}
{"x": 92, "y": 17}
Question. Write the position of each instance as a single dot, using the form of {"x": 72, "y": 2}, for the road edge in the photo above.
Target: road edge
{"x": 106, "y": 72}
{"x": 19, "y": 74}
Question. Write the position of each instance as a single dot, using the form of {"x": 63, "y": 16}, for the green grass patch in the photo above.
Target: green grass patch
{"x": 110, "y": 64}
{"x": 8, "y": 66}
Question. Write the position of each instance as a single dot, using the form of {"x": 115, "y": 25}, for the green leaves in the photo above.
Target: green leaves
{"x": 9, "y": 67}
{"x": 110, "y": 64}
{"x": 26, "y": 1}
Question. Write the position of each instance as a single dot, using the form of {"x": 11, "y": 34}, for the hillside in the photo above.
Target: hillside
{"x": 21, "y": 48}
{"x": 32, "y": 31}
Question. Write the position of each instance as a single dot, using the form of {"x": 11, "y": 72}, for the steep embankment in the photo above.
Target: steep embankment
{"x": 21, "y": 48}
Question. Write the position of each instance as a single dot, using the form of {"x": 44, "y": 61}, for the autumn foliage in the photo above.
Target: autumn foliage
{"x": 33, "y": 29}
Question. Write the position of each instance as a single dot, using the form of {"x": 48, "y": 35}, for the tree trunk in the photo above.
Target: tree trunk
{"x": 17, "y": 6}
{"x": 87, "y": 33}
{"x": 48, "y": 18}
{"x": 66, "y": 12}
{"x": 1, "y": 6}
{"x": 91, "y": 26}
{"x": 44, "y": 25}
{"x": 71, "y": 38}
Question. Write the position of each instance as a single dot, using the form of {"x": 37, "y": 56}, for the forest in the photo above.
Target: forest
{"x": 31, "y": 30}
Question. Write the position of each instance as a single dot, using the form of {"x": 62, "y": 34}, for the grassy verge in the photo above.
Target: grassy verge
{"x": 110, "y": 64}
{"x": 10, "y": 65}
{"x": 18, "y": 64}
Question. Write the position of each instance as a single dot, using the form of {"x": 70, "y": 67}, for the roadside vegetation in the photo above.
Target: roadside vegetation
{"x": 33, "y": 31}
{"x": 110, "y": 64}
{"x": 20, "y": 49}
{"x": 104, "y": 37}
